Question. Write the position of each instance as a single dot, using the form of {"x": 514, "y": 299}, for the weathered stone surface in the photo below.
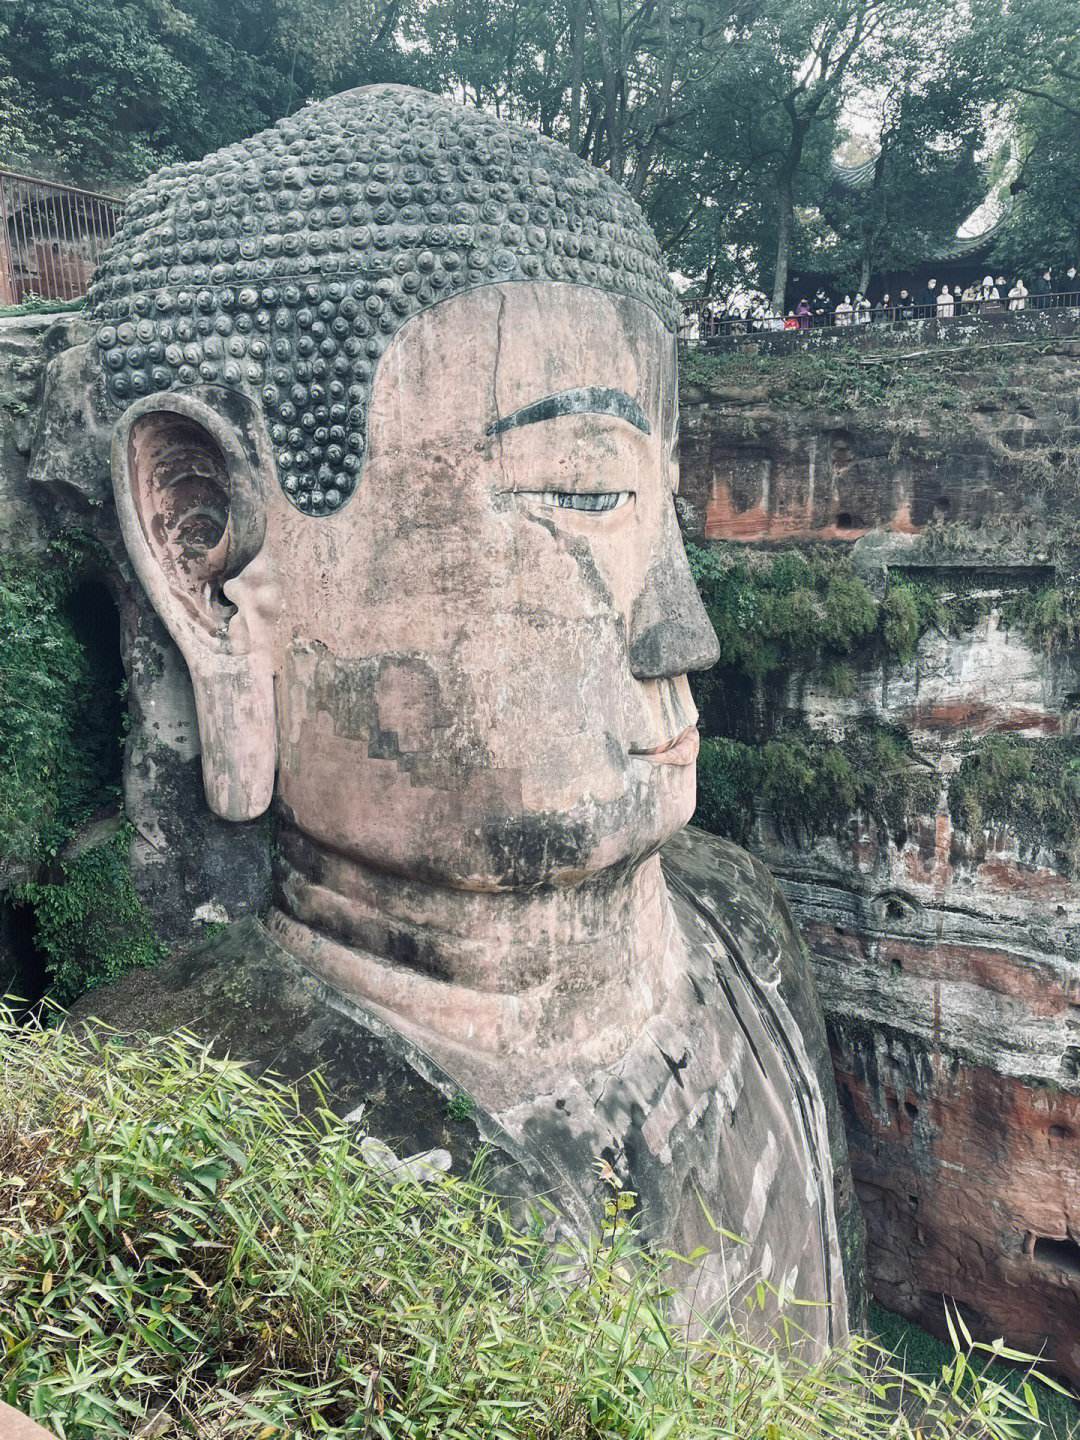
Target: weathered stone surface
{"x": 785, "y": 472}
{"x": 184, "y": 858}
{"x": 459, "y": 200}
{"x": 671, "y": 1118}
{"x": 22, "y": 369}
{"x": 465, "y": 688}
{"x": 16, "y": 1426}
{"x": 247, "y": 997}
{"x": 948, "y": 961}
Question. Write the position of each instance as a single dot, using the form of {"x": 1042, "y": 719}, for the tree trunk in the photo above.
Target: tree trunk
{"x": 864, "y": 271}
{"x": 785, "y": 230}
{"x": 662, "y": 117}
{"x": 609, "y": 78}
{"x": 577, "y": 70}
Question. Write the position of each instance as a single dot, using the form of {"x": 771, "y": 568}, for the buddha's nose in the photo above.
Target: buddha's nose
{"x": 670, "y": 631}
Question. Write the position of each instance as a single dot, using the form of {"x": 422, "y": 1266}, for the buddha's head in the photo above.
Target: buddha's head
{"x": 392, "y": 394}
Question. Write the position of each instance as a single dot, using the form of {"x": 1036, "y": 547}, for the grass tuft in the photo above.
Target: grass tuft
{"x": 178, "y": 1242}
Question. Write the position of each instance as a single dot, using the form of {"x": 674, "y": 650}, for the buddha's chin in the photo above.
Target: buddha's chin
{"x": 482, "y": 849}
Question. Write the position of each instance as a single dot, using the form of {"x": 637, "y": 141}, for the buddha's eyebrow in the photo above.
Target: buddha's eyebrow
{"x": 588, "y": 400}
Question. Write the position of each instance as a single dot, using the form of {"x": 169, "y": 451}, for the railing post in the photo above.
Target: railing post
{"x": 7, "y": 264}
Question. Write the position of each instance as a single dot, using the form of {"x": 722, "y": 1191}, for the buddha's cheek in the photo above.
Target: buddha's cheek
{"x": 501, "y": 774}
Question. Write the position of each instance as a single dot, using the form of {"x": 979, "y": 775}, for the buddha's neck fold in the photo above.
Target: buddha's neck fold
{"x": 562, "y": 974}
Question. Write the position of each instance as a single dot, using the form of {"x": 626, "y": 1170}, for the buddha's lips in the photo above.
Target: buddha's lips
{"x": 683, "y": 750}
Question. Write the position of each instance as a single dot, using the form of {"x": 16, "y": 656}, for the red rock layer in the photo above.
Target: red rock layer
{"x": 970, "y": 1185}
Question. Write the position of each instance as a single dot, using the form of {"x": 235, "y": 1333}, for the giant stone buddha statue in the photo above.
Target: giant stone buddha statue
{"x": 391, "y": 390}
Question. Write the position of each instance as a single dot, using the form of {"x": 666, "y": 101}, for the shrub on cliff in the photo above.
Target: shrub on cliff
{"x": 89, "y": 921}
{"x": 770, "y": 612}
{"x": 1032, "y": 787}
{"x": 50, "y": 739}
{"x": 177, "y": 1242}
{"x": 811, "y": 783}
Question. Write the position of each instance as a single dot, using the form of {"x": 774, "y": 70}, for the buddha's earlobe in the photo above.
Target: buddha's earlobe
{"x": 187, "y": 483}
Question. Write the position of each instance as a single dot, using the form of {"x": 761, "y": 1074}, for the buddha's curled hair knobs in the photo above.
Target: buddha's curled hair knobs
{"x": 284, "y": 265}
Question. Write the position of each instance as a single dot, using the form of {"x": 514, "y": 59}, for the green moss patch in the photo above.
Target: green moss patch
{"x": 1032, "y": 787}
{"x": 1049, "y": 617}
{"x": 57, "y": 736}
{"x": 846, "y": 380}
{"x": 812, "y": 784}
{"x": 38, "y": 305}
{"x": 89, "y": 922}
{"x": 60, "y": 739}
{"x": 772, "y": 611}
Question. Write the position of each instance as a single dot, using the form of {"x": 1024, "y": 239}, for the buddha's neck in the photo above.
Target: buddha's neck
{"x": 560, "y": 974}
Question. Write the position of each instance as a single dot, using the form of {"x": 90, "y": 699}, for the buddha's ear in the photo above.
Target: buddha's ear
{"x": 188, "y": 481}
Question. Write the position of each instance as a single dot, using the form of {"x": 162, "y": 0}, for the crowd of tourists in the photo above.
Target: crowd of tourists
{"x": 993, "y": 295}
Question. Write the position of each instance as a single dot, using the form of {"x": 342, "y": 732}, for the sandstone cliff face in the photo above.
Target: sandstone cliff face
{"x": 947, "y": 940}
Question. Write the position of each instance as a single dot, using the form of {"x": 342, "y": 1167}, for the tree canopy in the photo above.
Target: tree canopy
{"x": 723, "y": 117}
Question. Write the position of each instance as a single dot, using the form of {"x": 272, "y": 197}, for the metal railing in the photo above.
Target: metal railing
{"x": 708, "y": 320}
{"x": 50, "y": 237}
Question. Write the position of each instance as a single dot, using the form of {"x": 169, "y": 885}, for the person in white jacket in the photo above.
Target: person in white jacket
{"x": 946, "y": 304}
{"x": 844, "y": 311}
{"x": 1018, "y": 295}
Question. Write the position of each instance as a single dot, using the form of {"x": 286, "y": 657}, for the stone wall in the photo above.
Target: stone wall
{"x": 948, "y": 957}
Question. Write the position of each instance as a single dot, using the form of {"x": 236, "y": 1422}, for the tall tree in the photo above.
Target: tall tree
{"x": 107, "y": 89}
{"x": 807, "y": 52}
{"x": 923, "y": 178}
{"x": 1032, "y": 51}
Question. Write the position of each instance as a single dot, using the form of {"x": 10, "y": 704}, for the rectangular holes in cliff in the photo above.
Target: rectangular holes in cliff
{"x": 1060, "y": 1255}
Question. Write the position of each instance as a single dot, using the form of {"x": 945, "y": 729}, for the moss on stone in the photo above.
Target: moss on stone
{"x": 954, "y": 381}
{"x": 774, "y": 611}
{"x": 1032, "y": 787}
{"x": 1049, "y": 618}
{"x": 812, "y": 784}
{"x": 59, "y": 765}
{"x": 54, "y": 759}
{"x": 89, "y": 923}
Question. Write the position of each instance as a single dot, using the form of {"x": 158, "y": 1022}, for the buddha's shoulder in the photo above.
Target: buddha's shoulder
{"x": 733, "y": 916}
{"x": 717, "y": 884}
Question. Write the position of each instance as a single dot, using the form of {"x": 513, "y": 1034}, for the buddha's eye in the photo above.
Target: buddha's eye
{"x": 574, "y": 500}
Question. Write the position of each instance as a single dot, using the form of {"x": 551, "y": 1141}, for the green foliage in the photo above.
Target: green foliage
{"x": 59, "y": 764}
{"x": 924, "y": 181}
{"x": 107, "y": 90}
{"x": 461, "y": 1107}
{"x": 907, "y": 612}
{"x": 770, "y": 612}
{"x": 176, "y": 1240}
{"x": 1032, "y": 52}
{"x": 1033, "y": 787}
{"x": 1049, "y": 617}
{"x": 90, "y": 923}
{"x": 728, "y": 779}
{"x": 40, "y": 305}
{"x": 812, "y": 784}
{"x": 849, "y": 379}
{"x": 54, "y": 744}
{"x": 921, "y": 1354}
